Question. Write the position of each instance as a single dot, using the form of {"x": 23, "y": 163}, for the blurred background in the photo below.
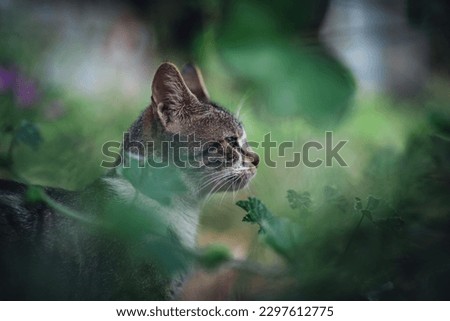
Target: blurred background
{"x": 374, "y": 72}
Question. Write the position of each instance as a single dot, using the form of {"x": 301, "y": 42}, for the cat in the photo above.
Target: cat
{"x": 47, "y": 254}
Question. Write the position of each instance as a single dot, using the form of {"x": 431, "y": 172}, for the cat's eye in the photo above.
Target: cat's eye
{"x": 233, "y": 141}
{"x": 212, "y": 148}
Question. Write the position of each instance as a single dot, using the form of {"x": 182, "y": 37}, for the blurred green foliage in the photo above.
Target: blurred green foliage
{"x": 371, "y": 249}
{"x": 378, "y": 229}
{"x": 274, "y": 48}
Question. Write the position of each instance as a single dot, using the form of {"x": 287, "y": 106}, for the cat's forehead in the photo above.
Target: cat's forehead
{"x": 217, "y": 123}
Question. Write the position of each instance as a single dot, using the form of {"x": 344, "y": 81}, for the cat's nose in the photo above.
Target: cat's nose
{"x": 255, "y": 159}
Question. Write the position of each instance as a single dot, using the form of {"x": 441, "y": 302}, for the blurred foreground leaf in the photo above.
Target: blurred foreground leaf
{"x": 29, "y": 134}
{"x": 291, "y": 75}
{"x": 159, "y": 184}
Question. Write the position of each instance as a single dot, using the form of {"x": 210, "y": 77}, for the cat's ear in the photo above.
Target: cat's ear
{"x": 194, "y": 80}
{"x": 172, "y": 98}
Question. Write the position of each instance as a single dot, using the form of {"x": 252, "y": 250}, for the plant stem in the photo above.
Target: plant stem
{"x": 65, "y": 210}
{"x": 352, "y": 236}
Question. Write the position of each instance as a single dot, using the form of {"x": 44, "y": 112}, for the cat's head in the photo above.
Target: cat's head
{"x": 213, "y": 139}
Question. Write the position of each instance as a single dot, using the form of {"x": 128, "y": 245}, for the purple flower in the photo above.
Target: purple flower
{"x": 26, "y": 92}
{"x": 7, "y": 78}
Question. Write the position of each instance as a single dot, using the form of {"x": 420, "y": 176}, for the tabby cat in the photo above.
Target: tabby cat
{"x": 46, "y": 253}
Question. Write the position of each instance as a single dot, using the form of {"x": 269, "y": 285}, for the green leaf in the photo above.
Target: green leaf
{"x": 358, "y": 204}
{"x": 372, "y": 203}
{"x": 257, "y": 213}
{"x": 29, "y": 134}
{"x": 281, "y": 235}
{"x": 159, "y": 184}
{"x": 299, "y": 200}
{"x": 441, "y": 122}
{"x": 367, "y": 214}
{"x": 284, "y": 236}
{"x": 5, "y": 162}
{"x": 130, "y": 222}
{"x": 170, "y": 257}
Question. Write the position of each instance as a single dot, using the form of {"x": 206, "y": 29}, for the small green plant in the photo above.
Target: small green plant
{"x": 328, "y": 257}
{"x": 300, "y": 201}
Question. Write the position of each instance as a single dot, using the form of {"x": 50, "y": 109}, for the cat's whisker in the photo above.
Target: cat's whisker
{"x": 213, "y": 180}
{"x": 235, "y": 191}
{"x": 208, "y": 182}
{"x": 211, "y": 176}
{"x": 226, "y": 191}
{"x": 216, "y": 187}
{"x": 225, "y": 181}
{"x": 230, "y": 185}
{"x": 241, "y": 183}
{"x": 241, "y": 103}
{"x": 249, "y": 188}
